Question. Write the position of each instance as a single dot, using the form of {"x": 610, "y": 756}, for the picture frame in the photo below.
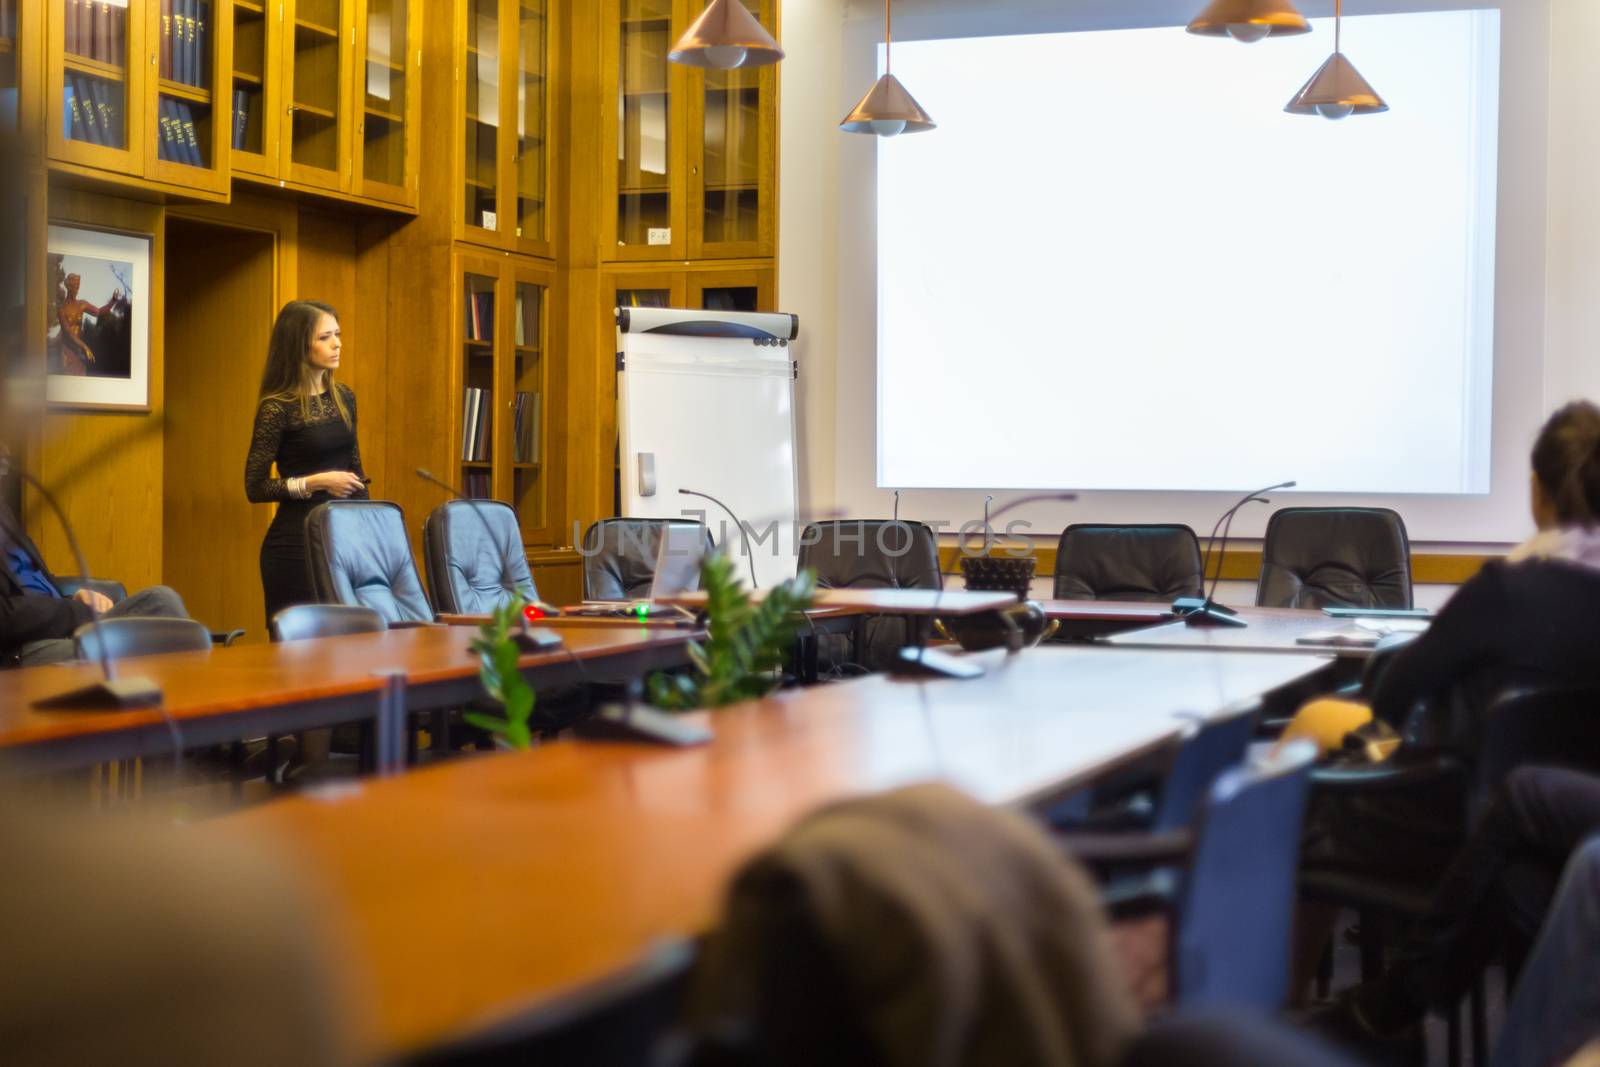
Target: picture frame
{"x": 97, "y": 319}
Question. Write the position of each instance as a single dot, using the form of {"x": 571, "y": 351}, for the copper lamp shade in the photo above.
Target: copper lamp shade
{"x": 725, "y": 36}
{"x": 1249, "y": 20}
{"x": 1335, "y": 91}
{"x": 887, "y": 110}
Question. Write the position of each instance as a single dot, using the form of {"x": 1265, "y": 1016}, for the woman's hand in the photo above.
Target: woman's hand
{"x": 338, "y": 484}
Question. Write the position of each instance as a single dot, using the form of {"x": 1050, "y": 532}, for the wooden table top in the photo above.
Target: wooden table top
{"x": 473, "y": 890}
{"x": 197, "y": 684}
{"x": 1269, "y": 630}
{"x": 1147, "y": 611}
{"x": 888, "y": 601}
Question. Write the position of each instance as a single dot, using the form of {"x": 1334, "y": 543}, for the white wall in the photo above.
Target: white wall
{"x": 1548, "y": 304}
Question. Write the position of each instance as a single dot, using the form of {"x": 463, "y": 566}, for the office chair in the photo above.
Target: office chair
{"x": 619, "y": 556}
{"x": 1341, "y": 557}
{"x": 472, "y": 570}
{"x": 325, "y": 620}
{"x": 133, "y": 635}
{"x": 871, "y": 554}
{"x": 357, "y": 553}
{"x": 116, "y": 592}
{"x": 1147, "y": 562}
{"x": 1229, "y": 893}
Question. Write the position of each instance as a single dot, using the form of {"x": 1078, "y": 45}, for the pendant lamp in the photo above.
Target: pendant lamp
{"x": 1249, "y": 21}
{"x": 725, "y": 36}
{"x": 1337, "y": 89}
{"x": 887, "y": 109}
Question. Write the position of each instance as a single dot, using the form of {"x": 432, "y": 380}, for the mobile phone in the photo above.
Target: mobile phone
{"x": 1378, "y": 613}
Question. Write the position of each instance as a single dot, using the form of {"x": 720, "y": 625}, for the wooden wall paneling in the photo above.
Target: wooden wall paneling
{"x": 369, "y": 316}
{"x": 223, "y": 286}
{"x": 108, "y": 466}
{"x": 420, "y": 403}
{"x": 30, "y": 77}
{"x": 558, "y": 575}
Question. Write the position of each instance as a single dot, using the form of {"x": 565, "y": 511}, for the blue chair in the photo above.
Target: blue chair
{"x": 474, "y": 555}
{"x": 358, "y": 553}
{"x": 1229, "y": 891}
{"x": 304, "y": 621}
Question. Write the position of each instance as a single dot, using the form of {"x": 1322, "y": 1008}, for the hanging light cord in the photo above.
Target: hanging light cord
{"x": 888, "y": 59}
{"x": 1338, "y": 17}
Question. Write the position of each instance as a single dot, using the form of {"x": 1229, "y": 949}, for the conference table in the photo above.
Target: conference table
{"x": 228, "y": 694}
{"x": 477, "y": 892}
{"x": 1294, "y": 631}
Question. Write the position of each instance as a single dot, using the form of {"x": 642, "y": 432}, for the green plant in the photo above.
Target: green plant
{"x": 745, "y": 643}
{"x": 502, "y": 679}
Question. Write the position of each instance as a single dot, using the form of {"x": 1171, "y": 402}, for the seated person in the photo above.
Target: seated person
{"x": 1528, "y": 620}
{"x": 36, "y": 621}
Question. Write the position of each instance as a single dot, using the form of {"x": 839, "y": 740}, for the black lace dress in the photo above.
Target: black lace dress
{"x": 299, "y": 446}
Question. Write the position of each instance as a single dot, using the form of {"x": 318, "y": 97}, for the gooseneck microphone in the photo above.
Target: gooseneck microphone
{"x": 110, "y": 691}
{"x": 917, "y": 659}
{"x": 529, "y": 640}
{"x": 744, "y": 537}
{"x": 1204, "y": 610}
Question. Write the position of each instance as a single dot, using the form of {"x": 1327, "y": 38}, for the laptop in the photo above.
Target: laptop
{"x": 678, "y": 559}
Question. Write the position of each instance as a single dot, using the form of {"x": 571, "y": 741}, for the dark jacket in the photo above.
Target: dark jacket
{"x": 25, "y": 617}
{"x": 1513, "y": 625}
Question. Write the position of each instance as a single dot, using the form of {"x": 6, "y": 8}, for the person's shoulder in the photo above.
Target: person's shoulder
{"x": 346, "y": 391}
{"x": 272, "y": 405}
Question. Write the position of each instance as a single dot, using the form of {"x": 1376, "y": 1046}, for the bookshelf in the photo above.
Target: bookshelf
{"x": 10, "y": 66}
{"x": 646, "y": 176}
{"x": 732, "y": 152}
{"x": 529, "y": 158}
{"x": 316, "y": 75}
{"x": 254, "y": 100}
{"x": 481, "y": 201}
{"x": 385, "y": 167}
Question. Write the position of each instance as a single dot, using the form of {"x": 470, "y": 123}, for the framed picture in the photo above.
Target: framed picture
{"x": 97, "y": 330}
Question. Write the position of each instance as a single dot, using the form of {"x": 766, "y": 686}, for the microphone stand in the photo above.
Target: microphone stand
{"x": 917, "y": 659}
{"x": 744, "y": 538}
{"x": 1205, "y": 611}
{"x": 528, "y": 639}
{"x": 110, "y": 692}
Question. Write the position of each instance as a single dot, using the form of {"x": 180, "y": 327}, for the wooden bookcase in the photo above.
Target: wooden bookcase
{"x": 693, "y": 174}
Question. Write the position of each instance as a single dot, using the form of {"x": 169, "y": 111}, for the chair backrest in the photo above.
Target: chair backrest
{"x": 474, "y": 555}
{"x": 1342, "y": 557}
{"x": 1157, "y": 561}
{"x": 1236, "y": 911}
{"x": 619, "y": 556}
{"x": 619, "y": 1021}
{"x": 357, "y": 553}
{"x": 137, "y": 635}
{"x": 109, "y": 588}
{"x": 1210, "y": 747}
{"x": 325, "y": 620}
{"x": 871, "y": 554}
{"x": 1548, "y": 727}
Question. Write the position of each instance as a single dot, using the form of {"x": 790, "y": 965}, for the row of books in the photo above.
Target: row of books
{"x": 246, "y": 105}
{"x": 97, "y": 31}
{"x": 480, "y": 316}
{"x": 523, "y": 333}
{"x": 475, "y": 426}
{"x": 526, "y": 414}
{"x": 179, "y": 143}
{"x": 185, "y": 34}
{"x": 476, "y": 485}
{"x": 92, "y": 111}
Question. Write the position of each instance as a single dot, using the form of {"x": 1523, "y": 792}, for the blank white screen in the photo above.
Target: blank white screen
{"x": 1117, "y": 264}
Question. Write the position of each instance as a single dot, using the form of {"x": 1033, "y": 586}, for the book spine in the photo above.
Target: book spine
{"x": 191, "y": 61}
{"x": 69, "y": 29}
{"x": 166, "y": 39}
{"x": 202, "y": 35}
{"x": 71, "y": 118}
{"x": 110, "y": 125}
{"x": 91, "y": 111}
{"x": 241, "y": 115}
{"x": 86, "y": 27}
{"x": 191, "y": 140}
{"x": 119, "y": 34}
{"x": 538, "y": 415}
{"x": 164, "y": 126}
{"x": 102, "y": 33}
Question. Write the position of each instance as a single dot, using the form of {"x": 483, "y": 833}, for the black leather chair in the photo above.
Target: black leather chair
{"x": 872, "y": 554}
{"x": 325, "y": 620}
{"x": 1341, "y": 557}
{"x": 133, "y": 635}
{"x": 357, "y": 553}
{"x": 474, "y": 555}
{"x": 116, "y": 592}
{"x": 619, "y": 556}
{"x": 1151, "y": 562}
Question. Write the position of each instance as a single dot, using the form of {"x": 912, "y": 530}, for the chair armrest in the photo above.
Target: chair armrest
{"x": 413, "y": 624}
{"x": 225, "y": 638}
{"x": 1130, "y": 849}
{"x": 1380, "y": 777}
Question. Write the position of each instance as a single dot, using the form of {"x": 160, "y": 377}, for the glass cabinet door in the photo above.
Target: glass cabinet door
{"x": 482, "y": 72}
{"x": 184, "y": 131}
{"x": 253, "y": 136}
{"x": 381, "y": 123}
{"x": 316, "y": 81}
{"x": 479, "y": 292}
{"x": 727, "y": 213}
{"x": 10, "y": 58}
{"x": 644, "y": 148}
{"x": 97, "y": 105}
{"x": 529, "y": 424}
{"x": 530, "y": 154}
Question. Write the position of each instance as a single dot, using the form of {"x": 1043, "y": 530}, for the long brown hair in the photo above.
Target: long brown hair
{"x": 1566, "y": 460}
{"x": 289, "y": 373}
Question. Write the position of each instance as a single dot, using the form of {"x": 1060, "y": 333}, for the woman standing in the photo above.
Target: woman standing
{"x": 306, "y": 423}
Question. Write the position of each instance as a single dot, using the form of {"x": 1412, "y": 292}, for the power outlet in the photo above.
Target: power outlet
{"x": 659, "y": 235}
